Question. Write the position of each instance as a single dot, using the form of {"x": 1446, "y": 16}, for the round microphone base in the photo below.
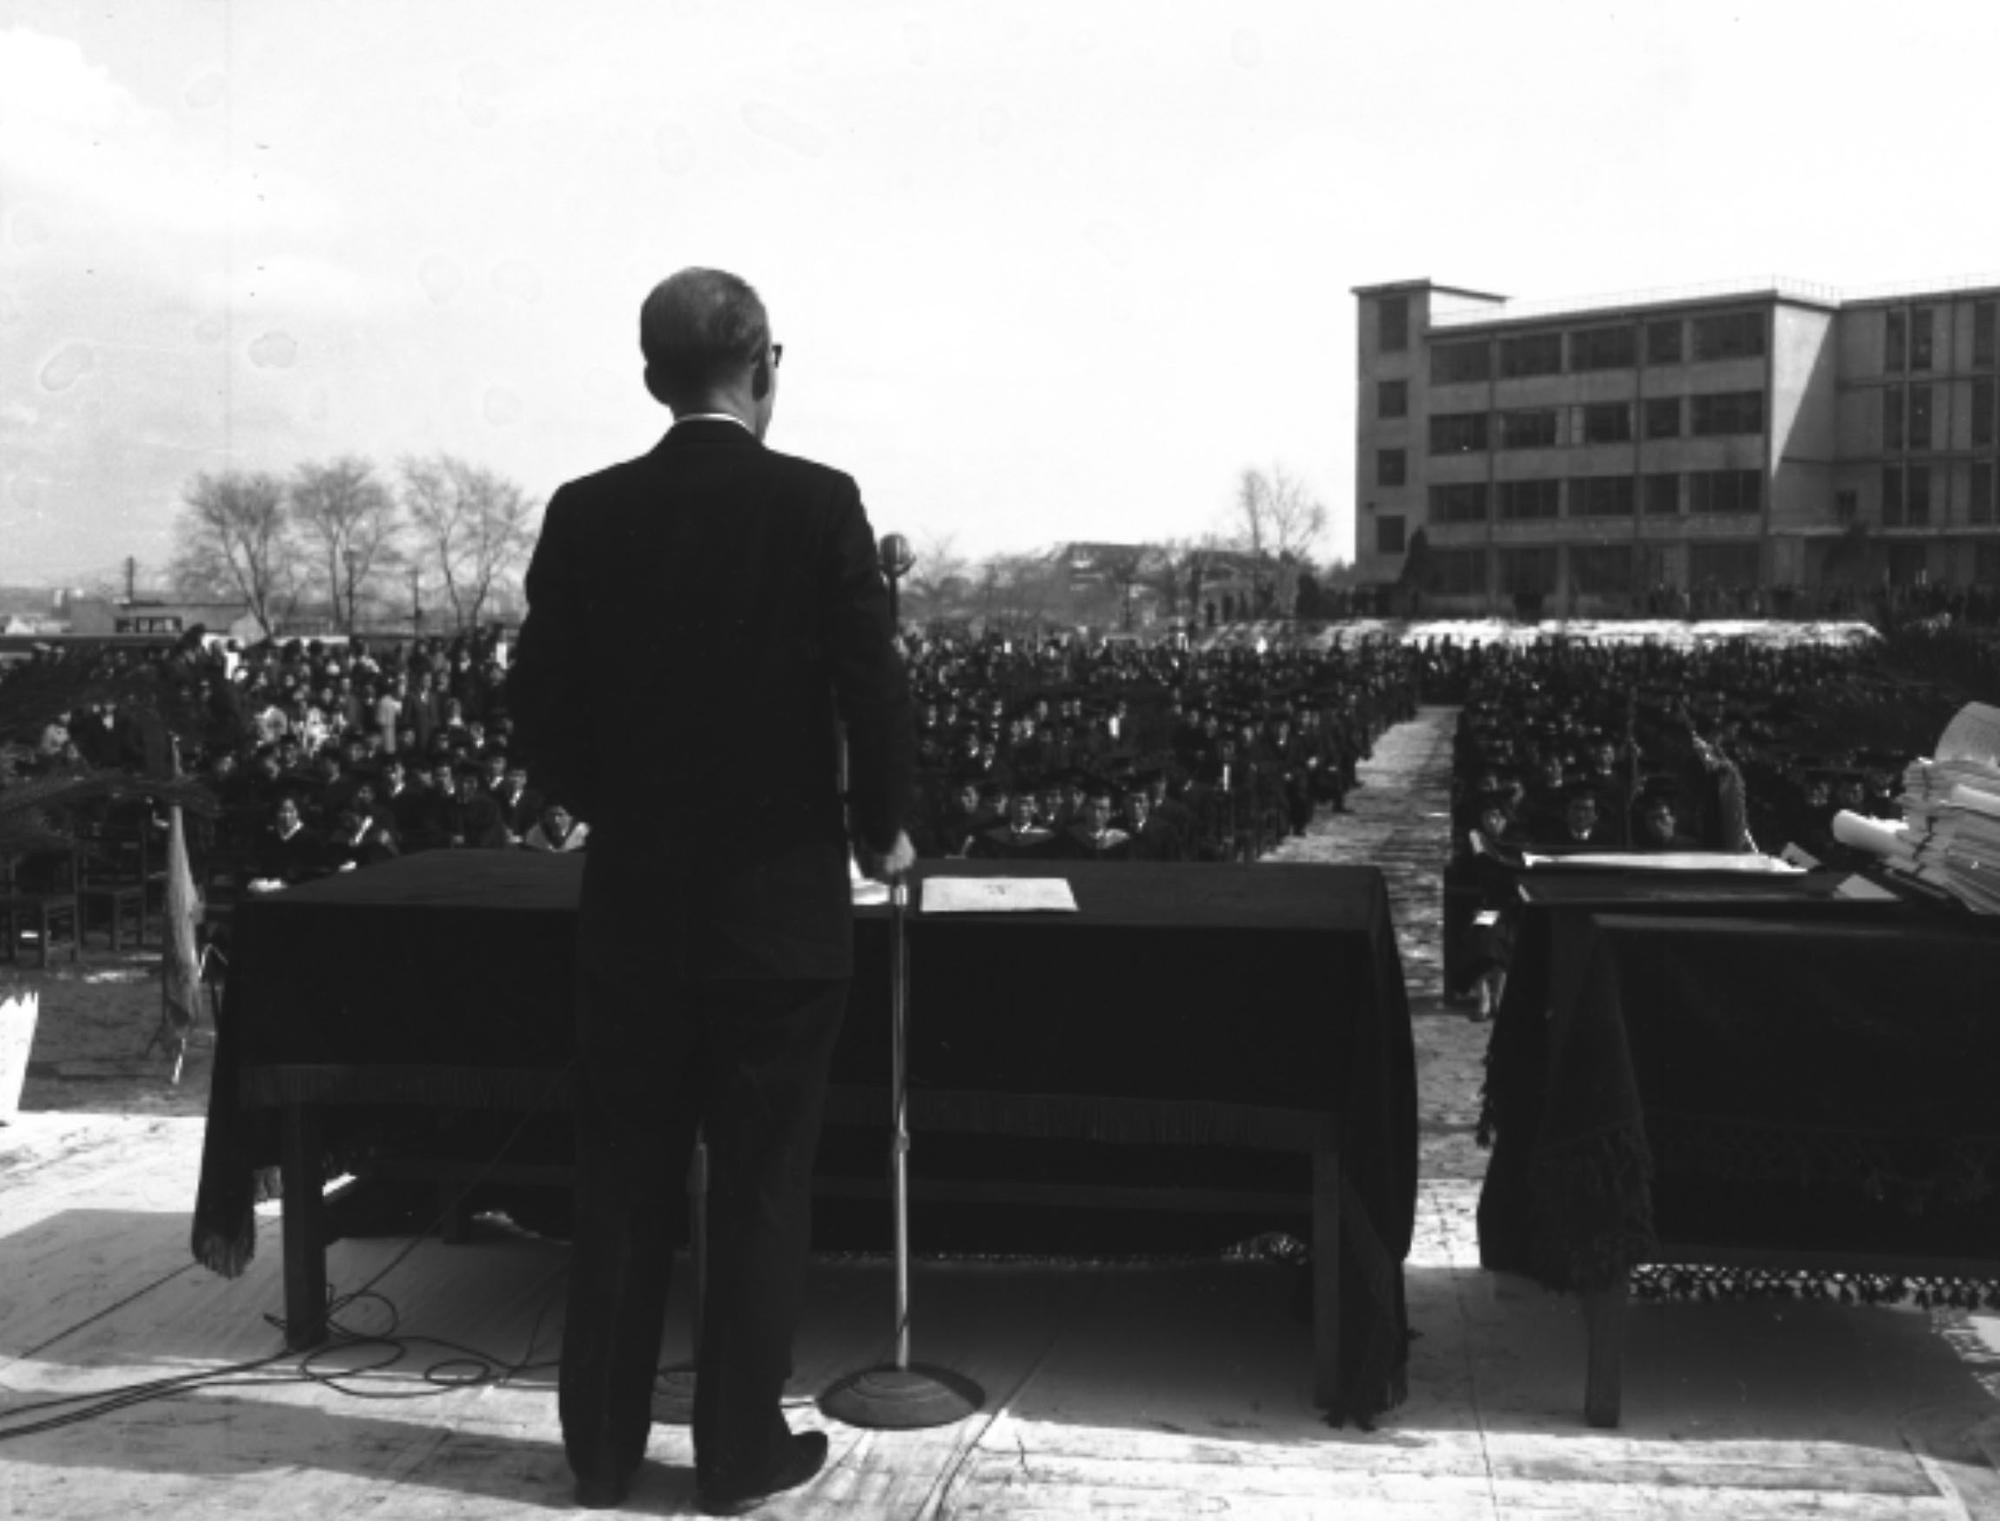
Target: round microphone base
{"x": 902, "y": 1399}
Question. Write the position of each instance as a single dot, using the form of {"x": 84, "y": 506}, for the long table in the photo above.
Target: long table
{"x": 1742, "y": 1077}
{"x": 1182, "y": 1006}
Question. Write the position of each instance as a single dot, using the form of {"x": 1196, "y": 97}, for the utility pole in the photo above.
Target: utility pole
{"x": 131, "y": 578}
{"x": 416, "y": 603}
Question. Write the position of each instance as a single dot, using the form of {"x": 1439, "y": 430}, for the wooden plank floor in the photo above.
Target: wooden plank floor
{"x": 1142, "y": 1392}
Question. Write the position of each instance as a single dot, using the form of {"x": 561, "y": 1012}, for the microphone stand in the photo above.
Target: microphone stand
{"x": 901, "y": 1395}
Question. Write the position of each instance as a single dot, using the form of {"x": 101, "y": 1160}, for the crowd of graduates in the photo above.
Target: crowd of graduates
{"x": 1112, "y": 750}
{"x": 325, "y": 756}
{"x": 1565, "y": 747}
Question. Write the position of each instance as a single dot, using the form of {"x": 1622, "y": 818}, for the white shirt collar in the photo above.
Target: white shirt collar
{"x": 688, "y": 417}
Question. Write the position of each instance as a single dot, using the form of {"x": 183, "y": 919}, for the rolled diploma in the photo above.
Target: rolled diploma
{"x": 1876, "y": 836}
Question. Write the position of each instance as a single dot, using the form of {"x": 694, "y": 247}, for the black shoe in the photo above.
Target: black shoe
{"x": 602, "y": 1494}
{"x": 807, "y": 1457}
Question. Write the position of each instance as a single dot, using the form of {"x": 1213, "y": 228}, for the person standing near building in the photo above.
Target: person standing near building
{"x": 741, "y": 586}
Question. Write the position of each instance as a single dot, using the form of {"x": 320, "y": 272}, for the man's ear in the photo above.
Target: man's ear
{"x": 760, "y": 376}
{"x": 656, "y": 387}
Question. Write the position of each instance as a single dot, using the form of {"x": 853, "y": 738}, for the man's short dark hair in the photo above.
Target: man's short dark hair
{"x": 701, "y": 327}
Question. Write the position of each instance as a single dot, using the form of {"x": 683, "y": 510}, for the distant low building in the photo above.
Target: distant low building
{"x": 101, "y": 615}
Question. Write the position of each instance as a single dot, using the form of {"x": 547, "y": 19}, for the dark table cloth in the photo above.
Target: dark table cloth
{"x": 1202, "y": 1006}
{"x": 1751, "y": 1066}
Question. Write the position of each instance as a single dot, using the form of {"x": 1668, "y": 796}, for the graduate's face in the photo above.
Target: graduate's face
{"x": 1659, "y": 822}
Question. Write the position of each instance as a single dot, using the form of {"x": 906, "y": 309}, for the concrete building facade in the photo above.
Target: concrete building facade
{"x": 1762, "y": 444}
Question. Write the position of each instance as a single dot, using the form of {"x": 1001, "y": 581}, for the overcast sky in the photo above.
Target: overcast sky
{"x": 1043, "y": 271}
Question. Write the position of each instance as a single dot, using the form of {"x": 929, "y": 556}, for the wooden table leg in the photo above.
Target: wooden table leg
{"x": 1326, "y": 1273}
{"x": 1604, "y": 1326}
{"x": 303, "y": 1170}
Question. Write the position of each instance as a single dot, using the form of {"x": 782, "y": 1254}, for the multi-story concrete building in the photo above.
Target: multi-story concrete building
{"x": 1778, "y": 437}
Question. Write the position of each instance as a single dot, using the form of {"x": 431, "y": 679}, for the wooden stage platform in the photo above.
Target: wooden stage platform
{"x": 1143, "y": 1392}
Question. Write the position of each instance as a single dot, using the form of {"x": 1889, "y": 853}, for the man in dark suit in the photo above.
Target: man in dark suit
{"x": 740, "y": 586}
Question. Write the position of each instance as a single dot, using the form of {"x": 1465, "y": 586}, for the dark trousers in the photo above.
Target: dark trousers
{"x": 747, "y": 1062}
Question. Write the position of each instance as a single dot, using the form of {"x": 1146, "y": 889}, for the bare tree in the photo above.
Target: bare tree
{"x": 474, "y": 527}
{"x": 347, "y": 519}
{"x": 233, "y": 539}
{"x": 938, "y": 577}
{"x": 1276, "y": 520}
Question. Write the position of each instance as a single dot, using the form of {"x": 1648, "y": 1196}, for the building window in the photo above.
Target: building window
{"x": 1892, "y": 417}
{"x": 1458, "y": 572}
{"x": 1459, "y": 502}
{"x": 1895, "y": 341}
{"x": 1534, "y": 429}
{"x": 1917, "y": 496}
{"x": 1726, "y": 412}
{"x": 1734, "y": 335}
{"x": 1920, "y": 417}
{"x": 1392, "y": 398}
{"x": 1608, "y": 422}
{"x": 1892, "y": 496}
{"x": 1663, "y": 342}
{"x": 1392, "y": 467}
{"x": 1724, "y": 490}
{"x": 1980, "y": 509}
{"x": 1922, "y": 321}
{"x": 1663, "y": 495}
{"x": 1600, "y": 568}
{"x": 1392, "y": 325}
{"x": 1456, "y": 363}
{"x": 1458, "y": 433}
{"x": 1986, "y": 563}
{"x": 1983, "y": 393}
{"x": 1725, "y": 565}
{"x": 1389, "y": 534}
{"x": 1528, "y": 569}
{"x": 1663, "y": 417}
{"x": 1604, "y": 348}
{"x": 1982, "y": 334}
{"x": 1907, "y": 564}
{"x": 1520, "y": 500}
{"x": 1600, "y": 496}
{"x": 1846, "y": 505}
{"x": 1535, "y": 354}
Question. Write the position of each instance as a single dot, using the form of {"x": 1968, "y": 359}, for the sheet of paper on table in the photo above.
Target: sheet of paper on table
{"x": 998, "y": 895}
{"x": 1749, "y": 863}
{"x": 1862, "y": 890}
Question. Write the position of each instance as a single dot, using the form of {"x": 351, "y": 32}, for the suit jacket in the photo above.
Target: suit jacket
{"x": 701, "y": 621}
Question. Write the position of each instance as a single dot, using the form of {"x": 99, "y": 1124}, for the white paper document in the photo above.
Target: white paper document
{"x": 998, "y": 895}
{"x": 1746, "y": 863}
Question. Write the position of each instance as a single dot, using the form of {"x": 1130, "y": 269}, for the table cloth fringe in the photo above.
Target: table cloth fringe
{"x": 1708, "y": 1281}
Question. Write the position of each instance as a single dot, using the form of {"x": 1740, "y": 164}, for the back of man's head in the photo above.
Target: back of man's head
{"x": 700, "y": 329}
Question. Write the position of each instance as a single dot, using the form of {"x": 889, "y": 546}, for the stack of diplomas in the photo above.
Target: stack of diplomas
{"x": 1950, "y": 836}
